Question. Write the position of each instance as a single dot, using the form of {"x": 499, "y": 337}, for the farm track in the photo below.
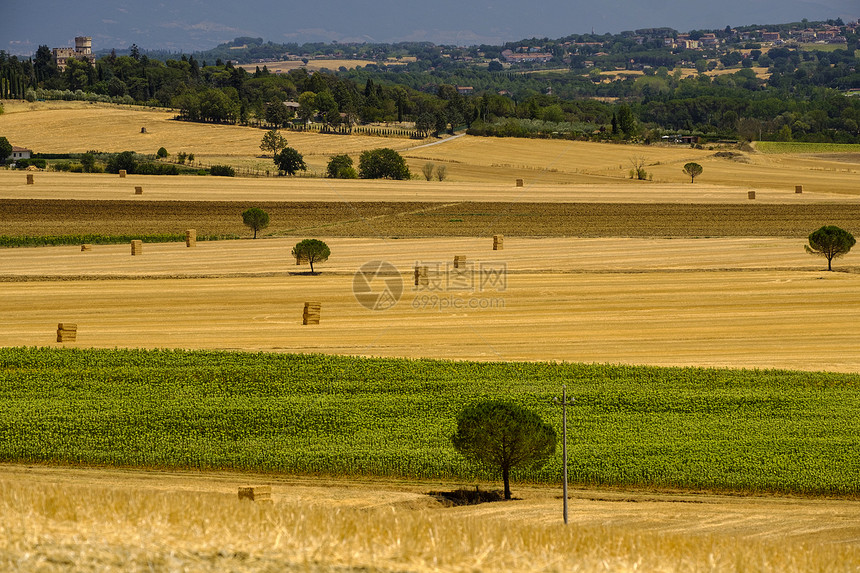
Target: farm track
{"x": 39, "y": 217}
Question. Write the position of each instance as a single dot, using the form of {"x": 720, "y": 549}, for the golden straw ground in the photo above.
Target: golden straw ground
{"x": 59, "y": 127}
{"x": 759, "y": 303}
{"x": 114, "y": 520}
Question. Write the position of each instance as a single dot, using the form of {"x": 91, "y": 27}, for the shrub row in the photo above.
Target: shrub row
{"x": 55, "y": 240}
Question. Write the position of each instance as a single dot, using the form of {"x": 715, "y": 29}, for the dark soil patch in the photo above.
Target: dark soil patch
{"x": 411, "y": 220}
{"x": 467, "y": 496}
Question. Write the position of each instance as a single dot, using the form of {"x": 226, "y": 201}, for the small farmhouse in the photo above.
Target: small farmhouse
{"x": 20, "y": 153}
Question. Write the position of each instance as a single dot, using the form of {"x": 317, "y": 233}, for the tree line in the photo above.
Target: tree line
{"x": 802, "y": 99}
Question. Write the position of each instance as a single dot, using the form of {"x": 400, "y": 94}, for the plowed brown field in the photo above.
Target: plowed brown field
{"x": 425, "y": 219}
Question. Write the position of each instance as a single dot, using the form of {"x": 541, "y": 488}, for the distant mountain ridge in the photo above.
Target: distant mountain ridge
{"x": 248, "y": 49}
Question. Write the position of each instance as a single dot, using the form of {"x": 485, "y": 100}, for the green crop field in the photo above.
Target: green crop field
{"x": 815, "y": 47}
{"x": 736, "y": 430}
{"x": 801, "y": 147}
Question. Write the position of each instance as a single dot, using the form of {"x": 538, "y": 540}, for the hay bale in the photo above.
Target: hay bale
{"x": 459, "y": 262}
{"x": 259, "y": 493}
{"x": 498, "y": 242}
{"x": 751, "y": 194}
{"x": 67, "y": 332}
{"x": 31, "y": 180}
{"x": 122, "y": 173}
{"x": 311, "y": 314}
{"x": 520, "y": 183}
{"x": 67, "y": 336}
{"x": 136, "y": 247}
{"x": 302, "y": 260}
{"x": 191, "y": 238}
{"x": 138, "y": 190}
{"x": 86, "y": 247}
{"x": 798, "y": 188}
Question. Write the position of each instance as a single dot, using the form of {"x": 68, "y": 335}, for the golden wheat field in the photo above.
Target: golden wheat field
{"x": 55, "y": 127}
{"x": 76, "y": 127}
{"x": 283, "y": 67}
{"x": 735, "y": 302}
{"x": 61, "y": 519}
{"x": 595, "y": 268}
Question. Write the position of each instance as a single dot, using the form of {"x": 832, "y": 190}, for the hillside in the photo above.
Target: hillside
{"x": 76, "y": 127}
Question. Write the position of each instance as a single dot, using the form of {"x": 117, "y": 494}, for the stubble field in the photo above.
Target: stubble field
{"x": 597, "y": 268}
{"x": 641, "y": 301}
{"x": 60, "y": 127}
{"x": 83, "y": 520}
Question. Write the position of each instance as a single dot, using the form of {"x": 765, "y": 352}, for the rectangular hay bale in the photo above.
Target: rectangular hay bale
{"x": 86, "y": 247}
{"x": 122, "y": 173}
{"x": 311, "y": 313}
{"x": 191, "y": 238}
{"x": 459, "y": 262}
{"x": 520, "y": 183}
{"x": 136, "y": 247}
{"x": 798, "y": 188}
{"x": 256, "y": 492}
{"x": 30, "y": 179}
{"x": 67, "y": 332}
{"x": 498, "y": 242}
{"x": 751, "y": 194}
{"x": 138, "y": 190}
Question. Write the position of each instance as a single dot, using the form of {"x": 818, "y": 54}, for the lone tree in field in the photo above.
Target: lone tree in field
{"x": 290, "y": 161}
{"x": 693, "y": 170}
{"x": 638, "y": 170}
{"x": 273, "y": 141}
{"x": 382, "y": 163}
{"x": 313, "y": 250}
{"x": 256, "y": 219}
{"x": 504, "y": 436}
{"x": 830, "y": 242}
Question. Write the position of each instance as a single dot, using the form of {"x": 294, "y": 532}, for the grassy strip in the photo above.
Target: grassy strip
{"x": 802, "y": 147}
{"x": 740, "y": 430}
{"x": 49, "y": 241}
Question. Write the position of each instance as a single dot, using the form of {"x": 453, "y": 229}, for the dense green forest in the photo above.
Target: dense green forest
{"x": 582, "y": 92}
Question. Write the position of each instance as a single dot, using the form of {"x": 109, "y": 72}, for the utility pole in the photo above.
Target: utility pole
{"x": 564, "y": 404}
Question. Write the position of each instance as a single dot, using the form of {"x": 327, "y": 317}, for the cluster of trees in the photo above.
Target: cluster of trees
{"x": 801, "y": 98}
{"x": 381, "y": 163}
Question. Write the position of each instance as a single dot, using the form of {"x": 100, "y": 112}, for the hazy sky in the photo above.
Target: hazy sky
{"x": 188, "y": 25}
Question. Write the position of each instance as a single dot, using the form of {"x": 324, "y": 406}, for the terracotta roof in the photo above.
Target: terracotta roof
{"x": 15, "y": 148}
